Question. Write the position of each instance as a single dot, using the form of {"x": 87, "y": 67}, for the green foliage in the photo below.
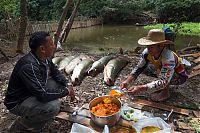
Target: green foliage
{"x": 148, "y": 5}
{"x": 7, "y": 8}
{"x": 195, "y": 125}
{"x": 33, "y": 9}
{"x": 183, "y": 28}
{"x": 91, "y": 8}
{"x": 109, "y": 10}
{"x": 178, "y": 11}
{"x": 120, "y": 10}
{"x": 57, "y": 8}
{"x": 45, "y": 10}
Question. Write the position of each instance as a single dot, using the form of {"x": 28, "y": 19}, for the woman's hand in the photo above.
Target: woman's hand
{"x": 137, "y": 89}
{"x": 124, "y": 85}
{"x": 126, "y": 82}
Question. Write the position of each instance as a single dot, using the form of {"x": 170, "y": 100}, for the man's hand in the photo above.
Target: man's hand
{"x": 71, "y": 92}
{"x": 137, "y": 89}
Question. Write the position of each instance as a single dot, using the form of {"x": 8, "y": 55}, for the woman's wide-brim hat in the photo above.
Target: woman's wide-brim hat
{"x": 155, "y": 36}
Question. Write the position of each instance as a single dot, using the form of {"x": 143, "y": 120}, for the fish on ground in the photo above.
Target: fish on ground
{"x": 70, "y": 67}
{"x": 64, "y": 62}
{"x": 80, "y": 71}
{"x": 99, "y": 65}
{"x": 112, "y": 70}
{"x": 56, "y": 60}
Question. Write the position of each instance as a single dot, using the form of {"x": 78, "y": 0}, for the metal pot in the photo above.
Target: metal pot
{"x": 105, "y": 120}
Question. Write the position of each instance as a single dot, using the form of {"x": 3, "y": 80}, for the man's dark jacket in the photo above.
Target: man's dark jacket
{"x": 29, "y": 78}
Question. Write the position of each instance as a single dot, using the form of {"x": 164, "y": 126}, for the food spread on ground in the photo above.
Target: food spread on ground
{"x": 150, "y": 129}
{"x": 105, "y": 108}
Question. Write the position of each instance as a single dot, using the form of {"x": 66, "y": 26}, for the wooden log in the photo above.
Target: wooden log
{"x": 196, "y": 60}
{"x": 194, "y": 73}
{"x": 189, "y": 48}
{"x": 194, "y": 55}
{"x": 79, "y": 119}
{"x": 161, "y": 106}
{"x": 195, "y": 68}
{"x": 196, "y": 113}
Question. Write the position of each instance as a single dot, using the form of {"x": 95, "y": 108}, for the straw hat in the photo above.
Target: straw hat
{"x": 155, "y": 36}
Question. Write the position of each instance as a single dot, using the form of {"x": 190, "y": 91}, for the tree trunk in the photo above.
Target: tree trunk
{"x": 61, "y": 21}
{"x": 70, "y": 22}
{"x": 22, "y": 27}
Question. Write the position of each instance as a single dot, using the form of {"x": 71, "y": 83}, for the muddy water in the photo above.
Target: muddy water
{"x": 102, "y": 38}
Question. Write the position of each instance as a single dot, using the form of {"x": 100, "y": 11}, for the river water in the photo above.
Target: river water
{"x": 105, "y": 37}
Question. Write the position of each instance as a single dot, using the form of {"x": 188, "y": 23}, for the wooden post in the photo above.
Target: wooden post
{"x": 22, "y": 27}
{"x": 70, "y": 22}
{"x": 61, "y": 22}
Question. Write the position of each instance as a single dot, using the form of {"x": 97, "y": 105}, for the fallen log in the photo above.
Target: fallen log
{"x": 195, "y": 68}
{"x": 196, "y": 113}
{"x": 196, "y": 60}
{"x": 194, "y": 55}
{"x": 194, "y": 74}
{"x": 162, "y": 106}
{"x": 190, "y": 48}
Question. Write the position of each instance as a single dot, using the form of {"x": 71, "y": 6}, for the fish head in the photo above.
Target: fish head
{"x": 92, "y": 72}
{"x": 109, "y": 82}
{"x": 76, "y": 82}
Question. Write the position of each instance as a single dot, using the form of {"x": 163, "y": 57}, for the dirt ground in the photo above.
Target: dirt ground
{"x": 189, "y": 92}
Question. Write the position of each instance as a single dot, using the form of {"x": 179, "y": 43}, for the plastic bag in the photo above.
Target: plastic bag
{"x": 78, "y": 128}
{"x": 106, "y": 129}
{"x": 156, "y": 122}
{"x": 129, "y": 113}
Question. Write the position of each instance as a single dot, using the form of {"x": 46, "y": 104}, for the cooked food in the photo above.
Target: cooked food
{"x": 122, "y": 129}
{"x": 107, "y": 100}
{"x": 105, "y": 108}
{"x": 115, "y": 93}
{"x": 150, "y": 129}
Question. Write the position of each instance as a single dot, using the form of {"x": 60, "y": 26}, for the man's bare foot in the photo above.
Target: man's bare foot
{"x": 161, "y": 96}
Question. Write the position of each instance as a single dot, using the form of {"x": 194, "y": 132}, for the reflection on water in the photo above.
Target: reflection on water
{"x": 108, "y": 36}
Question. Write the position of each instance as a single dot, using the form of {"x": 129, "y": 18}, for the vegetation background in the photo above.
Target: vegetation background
{"x": 164, "y": 11}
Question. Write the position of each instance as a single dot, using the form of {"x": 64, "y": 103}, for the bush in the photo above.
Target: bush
{"x": 177, "y": 11}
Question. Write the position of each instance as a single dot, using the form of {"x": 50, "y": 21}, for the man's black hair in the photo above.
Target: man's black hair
{"x": 37, "y": 39}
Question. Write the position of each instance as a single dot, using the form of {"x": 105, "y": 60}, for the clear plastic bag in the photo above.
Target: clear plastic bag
{"x": 78, "y": 128}
{"x": 156, "y": 122}
{"x": 129, "y": 113}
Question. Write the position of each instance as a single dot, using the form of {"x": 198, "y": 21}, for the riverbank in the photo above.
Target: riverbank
{"x": 187, "y": 93}
{"x": 185, "y": 28}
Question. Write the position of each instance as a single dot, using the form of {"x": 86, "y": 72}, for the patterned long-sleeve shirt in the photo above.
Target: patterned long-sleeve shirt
{"x": 168, "y": 63}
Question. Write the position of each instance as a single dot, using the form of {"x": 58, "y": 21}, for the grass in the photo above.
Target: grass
{"x": 185, "y": 28}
